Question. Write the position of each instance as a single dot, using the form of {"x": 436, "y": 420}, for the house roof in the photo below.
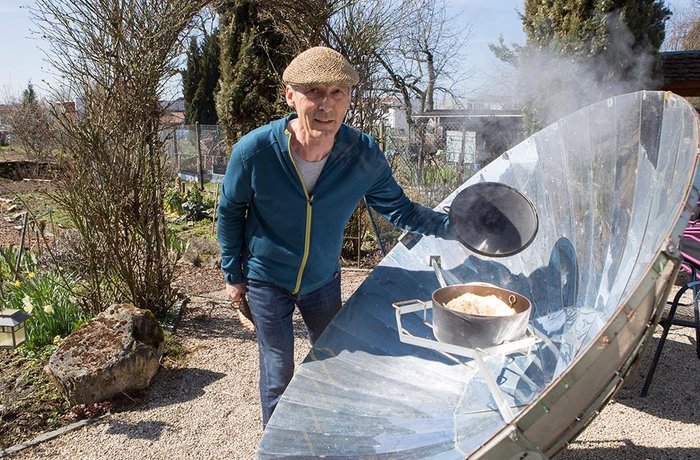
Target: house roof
{"x": 681, "y": 72}
{"x": 177, "y": 105}
{"x": 173, "y": 118}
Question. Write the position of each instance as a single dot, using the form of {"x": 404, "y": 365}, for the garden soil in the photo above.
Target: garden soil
{"x": 207, "y": 406}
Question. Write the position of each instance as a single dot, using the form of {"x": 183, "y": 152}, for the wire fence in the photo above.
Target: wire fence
{"x": 197, "y": 153}
{"x": 429, "y": 161}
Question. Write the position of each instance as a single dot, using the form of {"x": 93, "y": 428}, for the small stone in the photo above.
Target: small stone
{"x": 21, "y": 383}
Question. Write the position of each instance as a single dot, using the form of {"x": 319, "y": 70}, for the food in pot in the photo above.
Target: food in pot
{"x": 473, "y": 304}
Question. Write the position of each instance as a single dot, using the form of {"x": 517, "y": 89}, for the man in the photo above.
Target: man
{"x": 289, "y": 191}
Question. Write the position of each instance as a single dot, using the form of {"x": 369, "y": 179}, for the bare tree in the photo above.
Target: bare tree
{"x": 408, "y": 51}
{"x": 206, "y": 21}
{"x": 422, "y": 60}
{"x": 683, "y": 29}
{"x": 428, "y": 51}
{"x": 302, "y": 21}
{"x": 32, "y": 125}
{"x": 357, "y": 29}
{"x": 114, "y": 57}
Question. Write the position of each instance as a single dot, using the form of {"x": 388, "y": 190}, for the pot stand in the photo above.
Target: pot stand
{"x": 523, "y": 345}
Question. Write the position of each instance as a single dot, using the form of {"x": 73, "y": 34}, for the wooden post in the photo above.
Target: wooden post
{"x": 460, "y": 168}
{"x": 359, "y": 235}
{"x": 382, "y": 136}
{"x": 200, "y": 160}
{"x": 213, "y": 216}
{"x": 21, "y": 245}
{"x": 177, "y": 157}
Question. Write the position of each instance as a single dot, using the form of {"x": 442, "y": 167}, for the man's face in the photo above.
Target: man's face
{"x": 321, "y": 107}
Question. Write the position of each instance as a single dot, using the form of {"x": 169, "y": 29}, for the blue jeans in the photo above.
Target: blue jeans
{"x": 272, "y": 309}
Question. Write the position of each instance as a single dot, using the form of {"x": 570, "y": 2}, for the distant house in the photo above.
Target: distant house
{"x": 476, "y": 134}
{"x": 680, "y": 71}
{"x": 174, "y": 110}
{"x": 395, "y": 116}
{"x": 174, "y": 113}
{"x": 5, "y": 130}
{"x": 5, "y": 135}
{"x": 67, "y": 109}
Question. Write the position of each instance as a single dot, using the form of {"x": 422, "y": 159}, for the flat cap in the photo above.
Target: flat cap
{"x": 320, "y": 65}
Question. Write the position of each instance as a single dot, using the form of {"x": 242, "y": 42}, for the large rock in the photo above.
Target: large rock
{"x": 118, "y": 351}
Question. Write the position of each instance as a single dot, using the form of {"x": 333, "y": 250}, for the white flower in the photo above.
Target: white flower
{"x": 27, "y": 304}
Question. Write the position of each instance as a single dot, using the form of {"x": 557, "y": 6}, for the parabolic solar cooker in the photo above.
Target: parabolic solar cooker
{"x": 612, "y": 186}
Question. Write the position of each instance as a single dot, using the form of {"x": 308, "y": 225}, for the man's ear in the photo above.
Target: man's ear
{"x": 288, "y": 92}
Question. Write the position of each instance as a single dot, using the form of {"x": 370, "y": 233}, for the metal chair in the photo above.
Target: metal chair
{"x": 690, "y": 249}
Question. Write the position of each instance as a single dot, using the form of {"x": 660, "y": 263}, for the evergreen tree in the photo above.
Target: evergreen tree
{"x": 210, "y": 79}
{"x": 29, "y": 95}
{"x": 580, "y": 51}
{"x": 252, "y": 61}
{"x": 200, "y": 78}
{"x": 190, "y": 81}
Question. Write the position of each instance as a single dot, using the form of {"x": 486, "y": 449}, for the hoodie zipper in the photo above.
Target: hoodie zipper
{"x": 309, "y": 211}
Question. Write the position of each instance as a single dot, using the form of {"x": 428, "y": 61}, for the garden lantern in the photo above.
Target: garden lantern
{"x": 12, "y": 332}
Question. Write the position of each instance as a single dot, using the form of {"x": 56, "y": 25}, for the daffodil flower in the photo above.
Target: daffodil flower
{"x": 27, "y": 304}
{"x": 48, "y": 309}
{"x": 17, "y": 283}
{"x": 31, "y": 275}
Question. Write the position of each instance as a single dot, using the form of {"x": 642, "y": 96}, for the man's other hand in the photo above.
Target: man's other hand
{"x": 236, "y": 291}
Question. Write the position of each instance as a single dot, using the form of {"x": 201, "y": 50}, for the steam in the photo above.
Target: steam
{"x": 554, "y": 85}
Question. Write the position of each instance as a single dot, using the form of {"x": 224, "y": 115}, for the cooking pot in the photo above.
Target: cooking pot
{"x": 493, "y": 219}
{"x": 478, "y": 331}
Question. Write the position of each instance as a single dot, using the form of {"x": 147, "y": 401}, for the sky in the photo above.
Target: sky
{"x": 22, "y": 55}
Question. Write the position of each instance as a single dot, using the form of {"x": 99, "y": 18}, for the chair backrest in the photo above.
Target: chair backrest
{"x": 690, "y": 250}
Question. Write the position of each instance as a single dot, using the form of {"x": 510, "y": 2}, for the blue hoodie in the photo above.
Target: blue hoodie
{"x": 271, "y": 229}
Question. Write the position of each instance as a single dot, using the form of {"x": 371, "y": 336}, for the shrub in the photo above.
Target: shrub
{"x": 194, "y": 205}
{"x": 173, "y": 200}
{"x": 197, "y": 205}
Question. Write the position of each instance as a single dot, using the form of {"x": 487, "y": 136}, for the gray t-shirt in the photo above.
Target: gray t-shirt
{"x": 309, "y": 171}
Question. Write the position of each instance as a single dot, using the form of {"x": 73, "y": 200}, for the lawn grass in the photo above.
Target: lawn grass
{"x": 188, "y": 230}
{"x": 11, "y": 153}
{"x": 43, "y": 207}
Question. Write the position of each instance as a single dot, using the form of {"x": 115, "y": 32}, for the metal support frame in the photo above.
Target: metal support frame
{"x": 671, "y": 320}
{"x": 479, "y": 355}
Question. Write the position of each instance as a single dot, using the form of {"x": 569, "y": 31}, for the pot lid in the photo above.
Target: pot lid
{"x": 493, "y": 219}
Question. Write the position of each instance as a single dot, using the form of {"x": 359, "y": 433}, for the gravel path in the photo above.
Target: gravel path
{"x": 209, "y": 409}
